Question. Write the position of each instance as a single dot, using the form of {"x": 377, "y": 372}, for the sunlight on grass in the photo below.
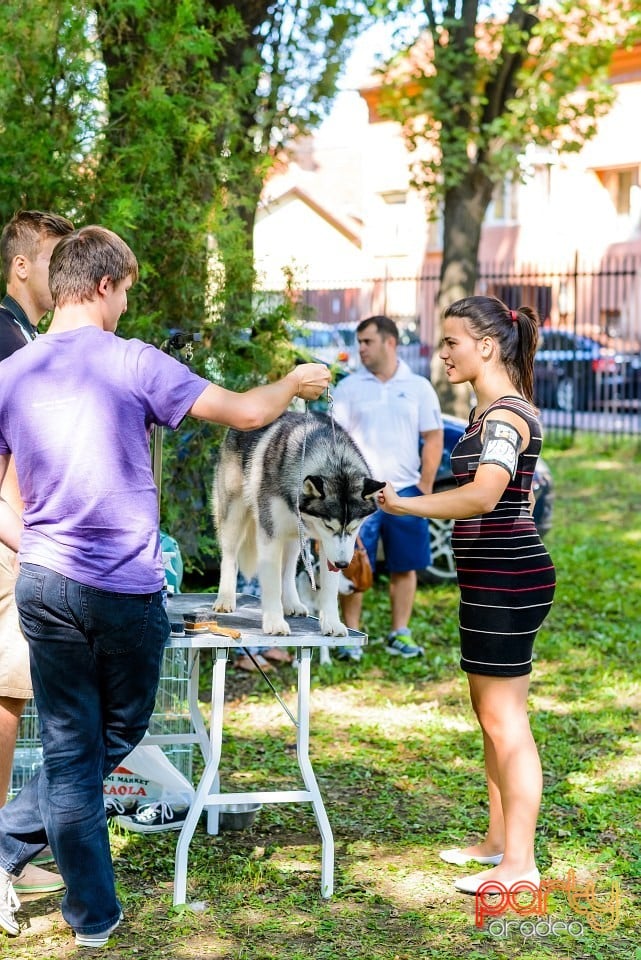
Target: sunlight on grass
{"x": 402, "y": 877}
{"x": 393, "y": 718}
{"x": 297, "y": 859}
{"x": 607, "y": 465}
{"x": 539, "y": 703}
{"x": 633, "y": 536}
{"x": 267, "y": 716}
{"x": 604, "y": 776}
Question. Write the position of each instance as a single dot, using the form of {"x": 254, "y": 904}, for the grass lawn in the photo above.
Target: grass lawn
{"x": 399, "y": 760}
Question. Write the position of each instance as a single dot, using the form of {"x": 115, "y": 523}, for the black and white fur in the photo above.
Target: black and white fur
{"x": 304, "y": 459}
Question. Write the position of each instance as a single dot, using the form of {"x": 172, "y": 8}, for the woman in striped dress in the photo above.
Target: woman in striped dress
{"x": 506, "y": 577}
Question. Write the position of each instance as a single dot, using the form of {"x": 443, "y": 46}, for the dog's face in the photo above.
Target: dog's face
{"x": 333, "y": 509}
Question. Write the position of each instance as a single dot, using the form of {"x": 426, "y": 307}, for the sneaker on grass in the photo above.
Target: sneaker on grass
{"x": 399, "y": 644}
{"x": 153, "y": 817}
{"x": 9, "y": 903}
{"x": 96, "y": 939}
{"x": 34, "y": 879}
{"x": 349, "y": 654}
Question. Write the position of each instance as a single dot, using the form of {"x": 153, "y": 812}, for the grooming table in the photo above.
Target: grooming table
{"x": 247, "y": 619}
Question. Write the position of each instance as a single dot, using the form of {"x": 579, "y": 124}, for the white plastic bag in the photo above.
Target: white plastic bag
{"x": 146, "y": 775}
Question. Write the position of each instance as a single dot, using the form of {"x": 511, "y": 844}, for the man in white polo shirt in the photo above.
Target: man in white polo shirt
{"x": 388, "y": 410}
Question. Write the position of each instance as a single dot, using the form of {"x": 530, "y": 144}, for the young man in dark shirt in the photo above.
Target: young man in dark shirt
{"x": 26, "y": 245}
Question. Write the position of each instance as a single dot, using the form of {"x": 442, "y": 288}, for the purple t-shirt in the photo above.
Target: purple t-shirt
{"x": 76, "y": 411}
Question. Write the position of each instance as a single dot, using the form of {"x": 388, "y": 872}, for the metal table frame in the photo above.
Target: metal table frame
{"x": 305, "y": 637}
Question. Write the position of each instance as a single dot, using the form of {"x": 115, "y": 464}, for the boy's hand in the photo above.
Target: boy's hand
{"x": 313, "y": 379}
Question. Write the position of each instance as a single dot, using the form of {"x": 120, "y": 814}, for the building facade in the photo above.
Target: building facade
{"x": 567, "y": 239}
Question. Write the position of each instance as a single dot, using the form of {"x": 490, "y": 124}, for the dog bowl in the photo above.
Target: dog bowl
{"x": 238, "y": 816}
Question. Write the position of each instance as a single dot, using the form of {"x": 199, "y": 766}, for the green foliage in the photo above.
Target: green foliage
{"x": 199, "y": 95}
{"x": 50, "y": 105}
{"x": 160, "y": 163}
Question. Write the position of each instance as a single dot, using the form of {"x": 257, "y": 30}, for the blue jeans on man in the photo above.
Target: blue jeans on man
{"x": 95, "y": 663}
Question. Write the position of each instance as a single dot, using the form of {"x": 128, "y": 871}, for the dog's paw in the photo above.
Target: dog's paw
{"x": 295, "y": 609}
{"x": 275, "y": 625}
{"x": 224, "y": 604}
{"x": 331, "y": 627}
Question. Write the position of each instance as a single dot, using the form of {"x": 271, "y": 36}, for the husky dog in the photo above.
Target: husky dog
{"x": 302, "y": 477}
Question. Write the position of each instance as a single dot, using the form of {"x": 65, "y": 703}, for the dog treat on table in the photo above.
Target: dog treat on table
{"x": 200, "y": 621}
{"x": 225, "y": 631}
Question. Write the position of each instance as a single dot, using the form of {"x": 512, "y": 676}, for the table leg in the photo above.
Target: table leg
{"x": 201, "y": 730}
{"x": 309, "y": 778}
{"x": 193, "y": 666}
{"x": 208, "y": 779}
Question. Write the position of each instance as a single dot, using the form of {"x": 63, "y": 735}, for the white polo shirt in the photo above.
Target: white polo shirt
{"x": 386, "y": 418}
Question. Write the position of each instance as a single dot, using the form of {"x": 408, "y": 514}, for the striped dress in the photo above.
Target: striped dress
{"x": 505, "y": 574}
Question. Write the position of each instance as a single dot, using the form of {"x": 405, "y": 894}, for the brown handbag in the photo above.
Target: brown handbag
{"x": 359, "y": 570}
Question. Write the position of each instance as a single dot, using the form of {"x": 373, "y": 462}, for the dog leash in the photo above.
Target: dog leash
{"x": 270, "y": 685}
{"x": 330, "y": 407}
{"x": 305, "y": 550}
{"x": 305, "y": 547}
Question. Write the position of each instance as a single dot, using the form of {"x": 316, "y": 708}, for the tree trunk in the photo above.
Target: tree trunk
{"x": 464, "y": 210}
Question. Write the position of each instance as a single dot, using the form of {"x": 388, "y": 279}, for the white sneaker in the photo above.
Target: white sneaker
{"x": 115, "y": 807}
{"x": 9, "y": 903}
{"x": 96, "y": 939}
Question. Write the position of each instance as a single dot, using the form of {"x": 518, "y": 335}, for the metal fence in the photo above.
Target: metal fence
{"x": 588, "y": 366}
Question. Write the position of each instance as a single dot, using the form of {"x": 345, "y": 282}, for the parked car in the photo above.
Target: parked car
{"x": 416, "y": 354}
{"x": 411, "y": 349}
{"x": 323, "y": 342}
{"x": 442, "y": 566}
{"x": 574, "y": 372}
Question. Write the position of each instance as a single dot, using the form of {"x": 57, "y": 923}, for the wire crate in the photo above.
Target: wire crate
{"x": 171, "y": 713}
{"x": 171, "y": 716}
{"x": 27, "y": 757}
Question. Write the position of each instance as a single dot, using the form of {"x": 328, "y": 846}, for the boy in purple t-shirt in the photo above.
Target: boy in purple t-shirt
{"x": 76, "y": 409}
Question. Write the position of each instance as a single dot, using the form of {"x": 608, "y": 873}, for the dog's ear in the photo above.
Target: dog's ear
{"x": 313, "y": 487}
{"x": 371, "y": 487}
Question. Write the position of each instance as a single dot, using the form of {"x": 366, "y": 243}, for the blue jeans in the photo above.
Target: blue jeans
{"x": 95, "y": 663}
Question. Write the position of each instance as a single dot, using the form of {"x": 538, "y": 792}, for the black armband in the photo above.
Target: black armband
{"x": 501, "y": 445}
